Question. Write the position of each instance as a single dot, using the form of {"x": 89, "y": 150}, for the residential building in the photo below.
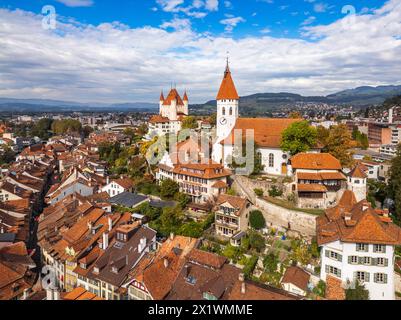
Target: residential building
{"x": 358, "y": 244}
{"x": 231, "y": 217}
{"x": 118, "y": 186}
{"x": 154, "y": 276}
{"x": 296, "y": 281}
{"x": 319, "y": 180}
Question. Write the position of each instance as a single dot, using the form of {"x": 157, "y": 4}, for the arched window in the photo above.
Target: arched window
{"x": 231, "y": 111}
{"x": 224, "y": 111}
{"x": 271, "y": 160}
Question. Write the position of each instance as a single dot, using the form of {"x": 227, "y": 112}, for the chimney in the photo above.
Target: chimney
{"x": 110, "y": 222}
{"x": 347, "y": 216}
{"x": 2, "y": 230}
{"x": 165, "y": 261}
{"x": 186, "y": 271}
{"x": 171, "y": 236}
{"x": 243, "y": 288}
{"x": 49, "y": 294}
{"x": 56, "y": 295}
{"x": 241, "y": 277}
{"x": 105, "y": 240}
{"x": 25, "y": 294}
{"x": 90, "y": 226}
{"x": 107, "y": 180}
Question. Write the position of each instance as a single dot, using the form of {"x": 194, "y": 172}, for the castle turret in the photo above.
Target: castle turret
{"x": 186, "y": 103}
{"x": 357, "y": 182}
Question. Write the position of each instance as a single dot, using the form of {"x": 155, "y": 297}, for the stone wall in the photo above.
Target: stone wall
{"x": 280, "y": 217}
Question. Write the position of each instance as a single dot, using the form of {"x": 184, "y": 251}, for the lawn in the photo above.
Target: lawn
{"x": 290, "y": 206}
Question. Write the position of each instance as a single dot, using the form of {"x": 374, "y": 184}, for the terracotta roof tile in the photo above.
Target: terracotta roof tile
{"x": 315, "y": 161}
{"x": 297, "y": 277}
{"x": 227, "y": 89}
{"x": 207, "y": 258}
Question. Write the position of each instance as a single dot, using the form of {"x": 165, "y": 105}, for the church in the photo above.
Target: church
{"x": 267, "y": 131}
{"x": 172, "y": 110}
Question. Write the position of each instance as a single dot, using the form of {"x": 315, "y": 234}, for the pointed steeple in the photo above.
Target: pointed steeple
{"x": 185, "y": 98}
{"x": 227, "y": 89}
{"x": 161, "y": 96}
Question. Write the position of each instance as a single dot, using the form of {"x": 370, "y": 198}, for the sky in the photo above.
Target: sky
{"x": 129, "y": 50}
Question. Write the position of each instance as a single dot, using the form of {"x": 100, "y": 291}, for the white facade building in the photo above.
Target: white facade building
{"x": 358, "y": 244}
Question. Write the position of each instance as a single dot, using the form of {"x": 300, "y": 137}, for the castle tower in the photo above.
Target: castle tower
{"x": 161, "y": 101}
{"x": 357, "y": 182}
{"x": 186, "y": 103}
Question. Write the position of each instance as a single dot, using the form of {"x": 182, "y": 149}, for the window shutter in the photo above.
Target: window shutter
{"x": 327, "y": 253}
{"x": 366, "y": 247}
{"x": 339, "y": 273}
{"x": 386, "y": 262}
{"x": 360, "y": 260}
{"x": 384, "y": 249}
{"x": 355, "y": 276}
{"x": 385, "y": 278}
{"x": 373, "y": 261}
{"x": 327, "y": 269}
{"x": 340, "y": 258}
{"x": 349, "y": 259}
{"x": 367, "y": 276}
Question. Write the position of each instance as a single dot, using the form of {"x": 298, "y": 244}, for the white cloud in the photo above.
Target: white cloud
{"x": 177, "y": 24}
{"x": 77, "y": 3}
{"x": 309, "y": 20}
{"x": 231, "y": 22}
{"x": 212, "y": 5}
{"x": 114, "y": 63}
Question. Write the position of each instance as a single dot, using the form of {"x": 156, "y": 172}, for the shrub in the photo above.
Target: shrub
{"x": 275, "y": 192}
{"x": 259, "y": 192}
{"x": 250, "y": 266}
{"x": 256, "y": 241}
{"x": 257, "y": 220}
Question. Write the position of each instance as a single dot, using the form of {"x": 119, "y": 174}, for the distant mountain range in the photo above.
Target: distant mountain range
{"x": 43, "y": 105}
{"x": 359, "y": 97}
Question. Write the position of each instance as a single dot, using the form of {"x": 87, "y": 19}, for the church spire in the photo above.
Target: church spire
{"x": 161, "y": 96}
{"x": 227, "y": 89}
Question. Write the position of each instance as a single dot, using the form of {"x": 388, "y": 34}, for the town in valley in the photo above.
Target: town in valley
{"x": 256, "y": 196}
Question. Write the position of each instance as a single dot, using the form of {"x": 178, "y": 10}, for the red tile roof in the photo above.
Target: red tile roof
{"x": 297, "y": 277}
{"x": 207, "y": 258}
{"x": 267, "y": 131}
{"x": 315, "y": 161}
{"x": 227, "y": 89}
{"x": 358, "y": 223}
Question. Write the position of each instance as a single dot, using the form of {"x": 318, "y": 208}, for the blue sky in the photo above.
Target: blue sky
{"x": 276, "y": 17}
{"x": 117, "y": 51}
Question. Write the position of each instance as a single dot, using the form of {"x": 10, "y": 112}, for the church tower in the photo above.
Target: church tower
{"x": 227, "y": 105}
{"x": 227, "y": 113}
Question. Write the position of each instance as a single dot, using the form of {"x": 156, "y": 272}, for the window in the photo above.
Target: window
{"x": 271, "y": 160}
{"x": 334, "y": 255}
{"x": 224, "y": 111}
{"x": 362, "y": 276}
{"x": 353, "y": 260}
{"x": 362, "y": 247}
{"x": 382, "y": 262}
{"x": 333, "y": 270}
{"x": 380, "y": 278}
{"x": 379, "y": 248}
{"x": 231, "y": 111}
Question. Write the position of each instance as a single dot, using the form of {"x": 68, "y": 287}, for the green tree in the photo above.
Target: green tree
{"x": 191, "y": 229}
{"x": 298, "y": 137}
{"x": 358, "y": 292}
{"x": 320, "y": 289}
{"x": 66, "y": 126}
{"x": 338, "y": 142}
{"x": 258, "y": 192}
{"x": 171, "y": 220}
{"x": 257, "y": 220}
{"x": 394, "y": 186}
{"x": 270, "y": 262}
{"x": 182, "y": 199}
{"x": 189, "y": 122}
{"x": 168, "y": 189}
{"x": 256, "y": 241}
{"x": 42, "y": 128}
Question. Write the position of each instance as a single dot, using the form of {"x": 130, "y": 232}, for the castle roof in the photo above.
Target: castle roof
{"x": 173, "y": 96}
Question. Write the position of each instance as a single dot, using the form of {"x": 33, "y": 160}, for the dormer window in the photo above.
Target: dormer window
{"x": 83, "y": 265}
{"x": 114, "y": 270}
{"x": 96, "y": 270}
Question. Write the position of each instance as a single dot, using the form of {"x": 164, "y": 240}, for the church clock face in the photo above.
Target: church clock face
{"x": 223, "y": 121}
